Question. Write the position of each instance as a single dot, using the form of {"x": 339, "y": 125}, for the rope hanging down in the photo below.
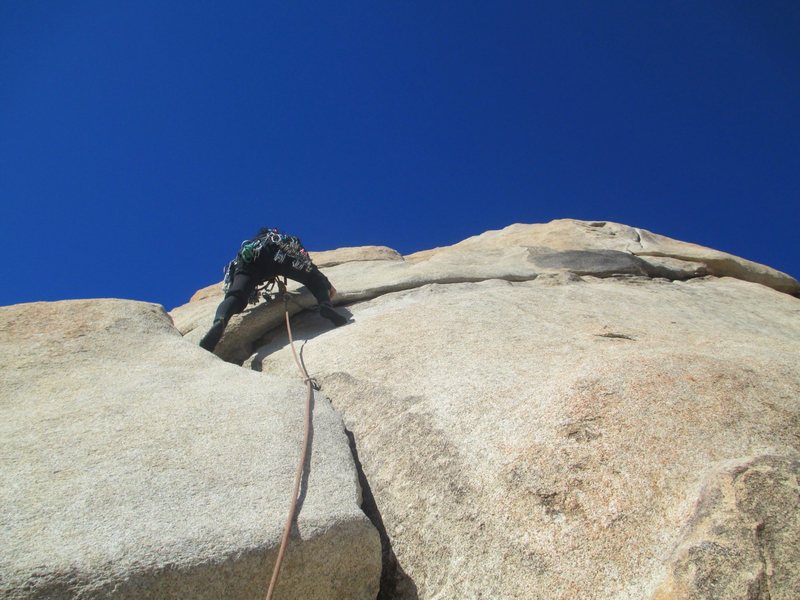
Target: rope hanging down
{"x": 304, "y": 451}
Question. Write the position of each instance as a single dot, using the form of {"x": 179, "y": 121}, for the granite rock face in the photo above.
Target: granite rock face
{"x": 517, "y": 253}
{"x": 552, "y": 438}
{"x": 744, "y": 539}
{"x": 331, "y": 258}
{"x": 567, "y": 410}
{"x": 136, "y": 465}
{"x": 562, "y": 410}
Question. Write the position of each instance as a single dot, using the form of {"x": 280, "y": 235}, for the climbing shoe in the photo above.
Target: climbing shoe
{"x": 211, "y": 339}
{"x": 326, "y": 310}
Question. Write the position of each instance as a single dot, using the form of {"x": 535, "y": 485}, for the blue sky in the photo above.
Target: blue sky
{"x": 140, "y": 142}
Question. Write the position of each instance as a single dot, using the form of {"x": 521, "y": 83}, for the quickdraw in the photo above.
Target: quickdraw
{"x": 229, "y": 270}
{"x": 287, "y": 246}
{"x": 267, "y": 290}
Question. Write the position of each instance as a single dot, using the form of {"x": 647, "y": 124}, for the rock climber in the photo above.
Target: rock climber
{"x": 270, "y": 254}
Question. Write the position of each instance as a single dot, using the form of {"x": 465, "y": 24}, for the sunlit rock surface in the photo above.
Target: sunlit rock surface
{"x": 562, "y": 410}
{"x": 567, "y": 410}
{"x": 516, "y": 253}
{"x": 136, "y": 465}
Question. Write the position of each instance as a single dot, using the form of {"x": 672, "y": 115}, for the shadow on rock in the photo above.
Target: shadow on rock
{"x": 306, "y": 466}
{"x": 395, "y": 583}
{"x": 305, "y": 326}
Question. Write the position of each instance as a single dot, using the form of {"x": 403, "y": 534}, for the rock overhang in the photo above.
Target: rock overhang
{"x": 519, "y": 252}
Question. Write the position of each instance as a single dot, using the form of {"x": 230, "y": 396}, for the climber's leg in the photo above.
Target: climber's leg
{"x": 318, "y": 285}
{"x": 235, "y": 302}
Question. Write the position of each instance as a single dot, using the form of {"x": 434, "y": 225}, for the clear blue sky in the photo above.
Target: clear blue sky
{"x": 140, "y": 142}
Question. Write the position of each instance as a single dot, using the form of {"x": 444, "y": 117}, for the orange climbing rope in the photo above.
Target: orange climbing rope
{"x": 304, "y": 451}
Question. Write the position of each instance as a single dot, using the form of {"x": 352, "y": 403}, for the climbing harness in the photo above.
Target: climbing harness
{"x": 311, "y": 385}
{"x": 283, "y": 246}
{"x": 267, "y": 291}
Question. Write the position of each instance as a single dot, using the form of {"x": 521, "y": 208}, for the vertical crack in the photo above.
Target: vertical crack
{"x": 765, "y": 561}
{"x": 395, "y": 583}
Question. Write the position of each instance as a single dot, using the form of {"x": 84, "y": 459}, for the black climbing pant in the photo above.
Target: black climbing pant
{"x": 247, "y": 276}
